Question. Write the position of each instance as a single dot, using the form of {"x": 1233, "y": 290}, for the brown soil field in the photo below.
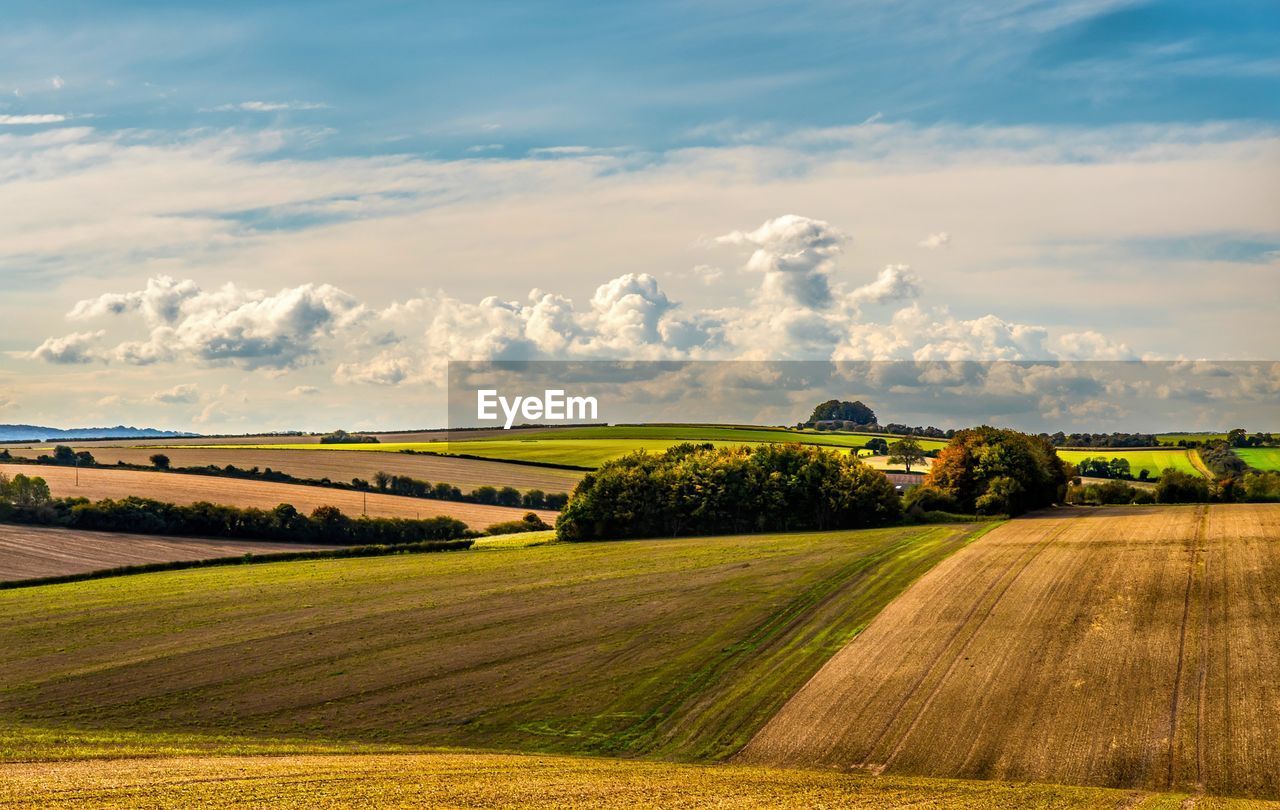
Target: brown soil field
{"x": 464, "y": 473}
{"x": 27, "y": 552}
{"x": 1127, "y": 647}
{"x": 178, "y": 488}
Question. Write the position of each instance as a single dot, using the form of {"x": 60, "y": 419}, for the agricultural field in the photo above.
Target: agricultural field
{"x": 672, "y": 648}
{"x": 96, "y": 483}
{"x": 1172, "y": 439}
{"x": 29, "y": 552}
{"x": 465, "y": 473}
{"x": 1260, "y": 458}
{"x": 460, "y": 779}
{"x": 589, "y": 447}
{"x": 1153, "y": 461}
{"x": 1129, "y": 647}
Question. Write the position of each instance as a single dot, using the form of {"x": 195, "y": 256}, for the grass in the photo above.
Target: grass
{"x": 1153, "y": 461}
{"x": 671, "y": 648}
{"x": 464, "y": 779}
{"x": 1174, "y": 438}
{"x": 1129, "y": 647}
{"x": 1261, "y": 458}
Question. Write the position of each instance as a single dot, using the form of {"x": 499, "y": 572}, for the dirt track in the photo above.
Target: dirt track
{"x": 27, "y": 552}
{"x": 1131, "y": 647}
{"x": 177, "y": 488}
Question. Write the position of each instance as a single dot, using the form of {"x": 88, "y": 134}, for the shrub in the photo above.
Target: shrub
{"x": 529, "y": 523}
{"x": 160, "y": 461}
{"x": 922, "y": 499}
{"x": 343, "y": 437}
{"x": 701, "y": 489}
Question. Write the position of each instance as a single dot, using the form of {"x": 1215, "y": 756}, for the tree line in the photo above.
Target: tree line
{"x": 692, "y": 489}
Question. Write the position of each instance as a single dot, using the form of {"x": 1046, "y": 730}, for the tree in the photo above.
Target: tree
{"x": 906, "y": 452}
{"x": 160, "y": 461}
{"x": 988, "y": 469}
{"x": 835, "y": 410}
{"x": 877, "y": 446}
{"x": 1179, "y": 487}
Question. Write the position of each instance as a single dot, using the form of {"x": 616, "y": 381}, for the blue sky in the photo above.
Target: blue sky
{"x": 257, "y": 202}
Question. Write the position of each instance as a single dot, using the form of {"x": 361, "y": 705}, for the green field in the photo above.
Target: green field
{"x": 1153, "y": 461}
{"x": 1173, "y": 438}
{"x": 673, "y": 648}
{"x": 1261, "y": 458}
{"x": 592, "y": 446}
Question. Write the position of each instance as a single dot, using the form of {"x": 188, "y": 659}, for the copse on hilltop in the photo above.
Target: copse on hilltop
{"x": 701, "y": 489}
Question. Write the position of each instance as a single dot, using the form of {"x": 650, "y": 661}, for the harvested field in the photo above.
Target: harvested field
{"x": 177, "y": 488}
{"x": 1126, "y": 647}
{"x": 29, "y": 552}
{"x": 467, "y": 474}
{"x": 680, "y": 648}
{"x": 459, "y": 779}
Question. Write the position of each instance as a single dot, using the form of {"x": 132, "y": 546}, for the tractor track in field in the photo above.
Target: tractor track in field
{"x": 1025, "y": 559}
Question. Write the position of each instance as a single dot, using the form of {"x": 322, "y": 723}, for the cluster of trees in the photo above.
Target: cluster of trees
{"x": 834, "y": 410}
{"x": 504, "y": 496}
{"x": 327, "y": 525}
{"x": 1239, "y": 437}
{"x": 529, "y": 523}
{"x": 1110, "y": 492}
{"x": 23, "y": 491}
{"x": 67, "y": 457}
{"x": 990, "y": 471}
{"x": 1118, "y": 468}
{"x": 343, "y": 437}
{"x": 1061, "y": 439}
{"x": 1220, "y": 458}
{"x": 701, "y": 489}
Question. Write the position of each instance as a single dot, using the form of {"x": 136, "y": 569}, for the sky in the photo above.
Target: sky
{"x": 238, "y": 216}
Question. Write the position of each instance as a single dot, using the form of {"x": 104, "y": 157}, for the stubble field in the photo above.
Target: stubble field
{"x": 1130, "y": 648}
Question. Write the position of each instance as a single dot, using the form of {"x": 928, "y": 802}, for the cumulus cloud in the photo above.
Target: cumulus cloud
{"x": 934, "y": 241}
{"x": 71, "y": 349}
{"x": 227, "y": 326}
{"x": 795, "y": 254}
{"x": 303, "y": 391}
{"x": 185, "y": 393}
{"x": 797, "y": 311}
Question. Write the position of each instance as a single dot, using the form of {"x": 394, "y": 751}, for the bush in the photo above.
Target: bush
{"x": 160, "y": 461}
{"x": 701, "y": 489}
{"x": 343, "y": 437}
{"x": 529, "y": 523}
{"x": 922, "y": 499}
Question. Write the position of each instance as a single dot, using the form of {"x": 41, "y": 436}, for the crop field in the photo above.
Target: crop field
{"x": 1153, "y": 461}
{"x": 464, "y": 473}
{"x": 1261, "y": 458}
{"x": 676, "y": 648}
{"x": 28, "y": 552}
{"x": 459, "y": 779}
{"x": 1130, "y": 647}
{"x": 592, "y": 446}
{"x": 178, "y": 488}
{"x": 1174, "y": 438}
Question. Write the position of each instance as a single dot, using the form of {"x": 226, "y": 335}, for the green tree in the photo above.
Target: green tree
{"x": 834, "y": 410}
{"x": 906, "y": 452}
{"x": 160, "y": 461}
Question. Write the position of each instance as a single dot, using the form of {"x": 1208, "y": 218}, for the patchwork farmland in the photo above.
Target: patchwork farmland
{"x": 1261, "y": 458}
{"x": 1154, "y": 461}
{"x": 1131, "y": 648}
{"x": 96, "y": 483}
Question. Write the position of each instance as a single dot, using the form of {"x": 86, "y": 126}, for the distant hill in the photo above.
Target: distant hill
{"x": 31, "y": 433}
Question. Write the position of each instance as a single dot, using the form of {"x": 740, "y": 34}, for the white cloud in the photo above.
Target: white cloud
{"x": 74, "y": 348}
{"x": 57, "y": 82}
{"x": 31, "y": 120}
{"x": 303, "y": 391}
{"x": 896, "y": 282}
{"x": 934, "y": 241}
{"x": 795, "y": 254}
{"x": 271, "y": 106}
{"x": 184, "y": 393}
